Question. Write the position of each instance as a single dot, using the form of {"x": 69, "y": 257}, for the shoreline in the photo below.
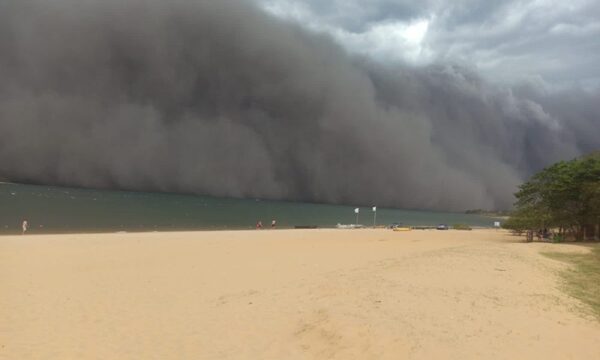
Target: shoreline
{"x": 200, "y": 230}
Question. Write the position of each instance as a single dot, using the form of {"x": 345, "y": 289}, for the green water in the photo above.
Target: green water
{"x": 58, "y": 209}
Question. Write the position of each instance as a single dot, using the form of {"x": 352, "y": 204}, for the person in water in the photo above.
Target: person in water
{"x": 25, "y": 225}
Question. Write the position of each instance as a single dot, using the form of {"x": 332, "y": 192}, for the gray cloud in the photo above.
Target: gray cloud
{"x": 218, "y": 98}
{"x": 505, "y": 40}
{"x": 355, "y": 15}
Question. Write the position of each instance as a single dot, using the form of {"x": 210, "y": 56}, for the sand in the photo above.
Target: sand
{"x": 288, "y": 294}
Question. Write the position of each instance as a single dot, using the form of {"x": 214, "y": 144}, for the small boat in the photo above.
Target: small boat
{"x": 402, "y": 229}
{"x": 349, "y": 226}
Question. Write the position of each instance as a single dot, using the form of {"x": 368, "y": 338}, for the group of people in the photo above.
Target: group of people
{"x": 259, "y": 224}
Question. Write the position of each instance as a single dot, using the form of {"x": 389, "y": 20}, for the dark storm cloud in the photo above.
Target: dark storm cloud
{"x": 219, "y": 98}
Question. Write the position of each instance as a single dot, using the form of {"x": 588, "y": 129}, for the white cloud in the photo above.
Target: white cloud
{"x": 387, "y": 41}
{"x": 396, "y": 41}
{"x": 576, "y": 30}
{"x": 290, "y": 10}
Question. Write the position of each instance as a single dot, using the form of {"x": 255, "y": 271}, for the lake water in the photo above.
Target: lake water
{"x": 59, "y": 209}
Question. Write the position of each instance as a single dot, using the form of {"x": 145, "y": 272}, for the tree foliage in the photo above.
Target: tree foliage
{"x": 565, "y": 195}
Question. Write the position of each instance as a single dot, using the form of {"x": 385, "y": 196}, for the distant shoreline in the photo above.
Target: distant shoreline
{"x": 489, "y": 213}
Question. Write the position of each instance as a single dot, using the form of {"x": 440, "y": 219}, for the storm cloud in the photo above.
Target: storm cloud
{"x": 220, "y": 98}
{"x": 505, "y": 40}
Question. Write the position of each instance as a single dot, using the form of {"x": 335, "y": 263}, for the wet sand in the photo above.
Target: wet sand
{"x": 288, "y": 294}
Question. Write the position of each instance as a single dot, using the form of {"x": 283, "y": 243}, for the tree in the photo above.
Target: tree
{"x": 565, "y": 195}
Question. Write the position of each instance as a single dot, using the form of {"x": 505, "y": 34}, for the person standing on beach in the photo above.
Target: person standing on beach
{"x": 259, "y": 225}
{"x": 25, "y": 226}
{"x": 273, "y": 224}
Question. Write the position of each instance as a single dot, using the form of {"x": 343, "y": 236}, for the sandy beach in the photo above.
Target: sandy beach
{"x": 288, "y": 294}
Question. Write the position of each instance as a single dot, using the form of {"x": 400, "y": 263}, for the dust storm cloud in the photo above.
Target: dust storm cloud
{"x": 219, "y": 98}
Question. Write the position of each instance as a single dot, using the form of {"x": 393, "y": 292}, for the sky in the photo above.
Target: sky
{"x": 506, "y": 41}
{"x": 419, "y": 105}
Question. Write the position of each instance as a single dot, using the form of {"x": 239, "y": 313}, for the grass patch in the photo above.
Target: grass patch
{"x": 582, "y": 279}
{"x": 461, "y": 227}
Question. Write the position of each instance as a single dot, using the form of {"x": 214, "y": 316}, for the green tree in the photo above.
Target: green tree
{"x": 565, "y": 195}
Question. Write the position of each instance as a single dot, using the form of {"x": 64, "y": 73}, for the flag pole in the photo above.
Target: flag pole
{"x": 374, "y": 216}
